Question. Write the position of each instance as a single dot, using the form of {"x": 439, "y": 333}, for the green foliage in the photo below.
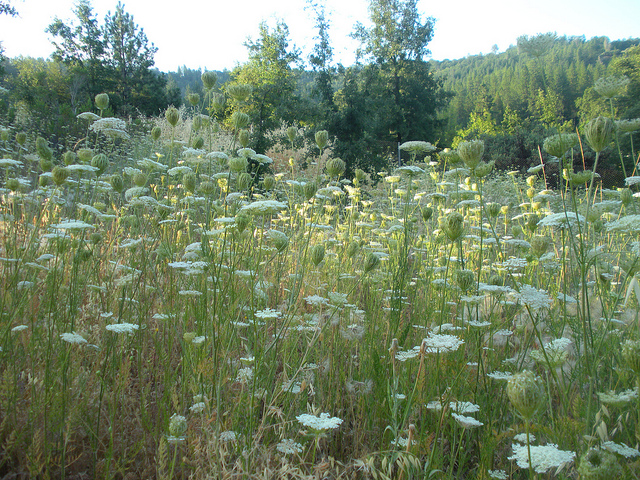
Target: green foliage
{"x": 270, "y": 74}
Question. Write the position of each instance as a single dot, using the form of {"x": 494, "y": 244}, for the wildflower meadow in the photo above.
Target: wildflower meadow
{"x": 176, "y": 305}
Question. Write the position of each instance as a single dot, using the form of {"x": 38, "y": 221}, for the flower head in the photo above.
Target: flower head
{"x": 543, "y": 458}
{"x": 319, "y": 423}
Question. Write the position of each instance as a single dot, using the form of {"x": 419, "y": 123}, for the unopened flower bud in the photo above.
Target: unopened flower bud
{"x": 465, "y": 279}
{"x": 540, "y": 245}
{"x": 207, "y": 187}
{"x": 238, "y": 164}
{"x": 371, "y": 262}
{"x": 242, "y": 221}
{"x": 209, "y": 80}
{"x": 101, "y": 162}
{"x": 558, "y": 145}
{"x": 322, "y": 138}
{"x": 483, "y": 169}
{"x": 217, "y": 101}
{"x": 243, "y": 181}
{"x": 599, "y": 464}
{"x": 117, "y": 183}
{"x": 239, "y": 91}
{"x": 427, "y": 213}
{"x": 335, "y": 167}
{"x": 69, "y": 157}
{"x": 172, "y": 115}
{"x": 239, "y": 120}
{"x": 140, "y": 179}
{"x": 454, "y": 226}
{"x": 21, "y": 138}
{"x": 317, "y": 254}
{"x": 279, "y": 240}
{"x": 193, "y": 99}
{"x": 189, "y": 182}
{"x": 631, "y": 355}
{"x": 43, "y": 150}
{"x": 471, "y": 153}
{"x": 269, "y": 182}
{"x": 243, "y": 137}
{"x": 626, "y": 196}
{"x": 292, "y": 132}
{"x": 599, "y": 132}
{"x": 310, "y": 189}
{"x": 85, "y": 155}
{"x": 198, "y": 142}
{"x": 493, "y": 209}
{"x": 102, "y": 101}
{"x": 59, "y": 174}
{"x": 526, "y": 393}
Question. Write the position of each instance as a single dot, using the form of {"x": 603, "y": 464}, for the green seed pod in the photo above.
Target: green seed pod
{"x": 243, "y": 138}
{"x": 371, "y": 262}
{"x": 140, "y": 179}
{"x": 242, "y": 221}
{"x": 558, "y": 145}
{"x": 483, "y": 169}
{"x": 209, "y": 80}
{"x": 243, "y": 181}
{"x": 493, "y": 209}
{"x": 172, "y": 115}
{"x": 59, "y": 175}
{"x": 102, "y": 101}
{"x": 335, "y": 167}
{"x": 69, "y": 158}
{"x": 427, "y": 213}
{"x": 531, "y": 180}
{"x": 82, "y": 255}
{"x": 44, "y": 181}
{"x": 196, "y": 123}
{"x": 310, "y": 189}
{"x": 46, "y": 165}
{"x": 597, "y": 464}
{"x": 85, "y": 155}
{"x": 4, "y": 134}
{"x": 531, "y": 192}
{"x": 239, "y": 91}
{"x": 95, "y": 238}
{"x": 13, "y": 184}
{"x": 454, "y": 226}
{"x": 352, "y": 249}
{"x": 101, "y": 162}
{"x": 43, "y": 150}
{"x": 465, "y": 279}
{"x": 217, "y": 101}
{"x": 21, "y": 138}
{"x": 238, "y": 164}
{"x": 539, "y": 245}
{"x": 189, "y": 182}
{"x": 532, "y": 223}
{"x": 239, "y": 120}
{"x": 317, "y": 254}
{"x": 207, "y": 188}
{"x": 631, "y": 355}
{"x": 496, "y": 279}
{"x": 193, "y": 99}
{"x": 580, "y": 178}
{"x": 626, "y": 196}
{"x": 360, "y": 175}
{"x": 198, "y": 142}
{"x": 117, "y": 183}
{"x": 156, "y": 132}
{"x": 322, "y": 138}
{"x": 279, "y": 240}
{"x": 598, "y": 133}
{"x": 269, "y": 182}
{"x": 526, "y": 393}
{"x": 292, "y": 132}
{"x": 471, "y": 153}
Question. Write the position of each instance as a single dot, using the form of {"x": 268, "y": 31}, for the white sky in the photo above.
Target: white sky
{"x": 209, "y": 34}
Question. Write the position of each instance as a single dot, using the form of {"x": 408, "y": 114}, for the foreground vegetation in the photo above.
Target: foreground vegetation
{"x": 176, "y": 305}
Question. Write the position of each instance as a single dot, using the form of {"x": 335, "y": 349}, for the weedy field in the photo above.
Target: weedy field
{"x": 176, "y": 305}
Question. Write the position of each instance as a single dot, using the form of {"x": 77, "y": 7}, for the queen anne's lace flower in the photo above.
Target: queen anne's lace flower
{"x": 322, "y": 422}
{"x": 543, "y": 458}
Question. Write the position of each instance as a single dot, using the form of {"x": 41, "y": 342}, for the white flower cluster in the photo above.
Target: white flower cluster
{"x": 532, "y": 297}
{"x": 322, "y": 422}
{"x": 122, "y": 327}
{"x": 561, "y": 220}
{"x": 73, "y": 338}
{"x": 543, "y": 458}
{"x": 263, "y": 207}
{"x": 626, "y": 224}
{"x": 110, "y": 126}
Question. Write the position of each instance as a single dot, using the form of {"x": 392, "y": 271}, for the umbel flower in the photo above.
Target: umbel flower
{"x": 319, "y": 423}
{"x": 543, "y": 458}
{"x": 599, "y": 132}
{"x": 526, "y": 393}
{"x": 471, "y": 153}
{"x": 611, "y": 87}
{"x": 599, "y": 464}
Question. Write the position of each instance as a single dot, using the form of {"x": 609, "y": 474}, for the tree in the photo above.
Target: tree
{"x": 7, "y": 9}
{"x": 115, "y": 58}
{"x": 130, "y": 57}
{"x": 407, "y": 93}
{"x": 273, "y": 100}
{"x": 82, "y": 48}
